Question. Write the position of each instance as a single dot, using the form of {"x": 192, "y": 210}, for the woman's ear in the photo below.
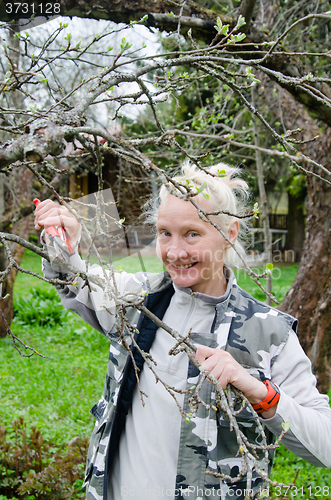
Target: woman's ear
{"x": 233, "y": 231}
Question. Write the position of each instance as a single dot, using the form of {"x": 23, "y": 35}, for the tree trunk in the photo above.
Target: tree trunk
{"x": 264, "y": 201}
{"x": 295, "y": 227}
{"x": 309, "y": 299}
{"x": 22, "y": 188}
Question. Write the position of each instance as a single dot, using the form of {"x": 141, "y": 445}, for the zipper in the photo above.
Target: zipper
{"x": 182, "y": 330}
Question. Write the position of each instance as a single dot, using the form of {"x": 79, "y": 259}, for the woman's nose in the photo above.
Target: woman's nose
{"x": 176, "y": 252}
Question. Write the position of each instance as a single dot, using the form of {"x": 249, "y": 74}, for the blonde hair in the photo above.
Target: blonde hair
{"x": 224, "y": 190}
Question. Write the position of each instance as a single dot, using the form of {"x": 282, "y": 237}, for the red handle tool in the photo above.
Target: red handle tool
{"x": 57, "y": 232}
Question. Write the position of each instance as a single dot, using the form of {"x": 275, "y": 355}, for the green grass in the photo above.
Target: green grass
{"x": 282, "y": 279}
{"x": 310, "y": 481}
{"x": 134, "y": 264}
{"x": 56, "y": 392}
{"x": 25, "y": 282}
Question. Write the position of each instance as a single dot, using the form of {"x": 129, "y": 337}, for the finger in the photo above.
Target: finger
{"x": 42, "y": 208}
{"x": 48, "y": 209}
{"x": 51, "y": 209}
{"x": 69, "y": 224}
{"x": 42, "y": 219}
{"x": 214, "y": 366}
{"x": 222, "y": 366}
{"x": 220, "y": 376}
{"x": 51, "y": 214}
{"x": 41, "y": 205}
{"x": 203, "y": 352}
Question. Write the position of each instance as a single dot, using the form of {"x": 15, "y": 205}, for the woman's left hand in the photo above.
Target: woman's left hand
{"x": 227, "y": 370}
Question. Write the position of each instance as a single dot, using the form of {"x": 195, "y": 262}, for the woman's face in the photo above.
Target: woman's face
{"x": 192, "y": 250}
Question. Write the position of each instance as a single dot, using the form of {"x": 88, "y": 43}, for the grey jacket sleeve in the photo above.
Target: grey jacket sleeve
{"x": 94, "y": 303}
{"x": 87, "y": 300}
{"x": 300, "y": 404}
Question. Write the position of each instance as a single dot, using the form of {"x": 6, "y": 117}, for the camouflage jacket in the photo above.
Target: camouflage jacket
{"x": 252, "y": 332}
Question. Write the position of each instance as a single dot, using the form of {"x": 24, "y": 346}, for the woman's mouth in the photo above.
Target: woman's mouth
{"x": 183, "y": 266}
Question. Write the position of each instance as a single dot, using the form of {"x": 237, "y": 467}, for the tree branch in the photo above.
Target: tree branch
{"x": 246, "y": 10}
{"x": 43, "y": 138}
{"x": 202, "y": 22}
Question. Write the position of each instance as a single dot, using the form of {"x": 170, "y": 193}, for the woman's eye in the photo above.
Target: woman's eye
{"x": 193, "y": 234}
{"x": 164, "y": 233}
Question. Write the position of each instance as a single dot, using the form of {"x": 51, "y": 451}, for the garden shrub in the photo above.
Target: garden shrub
{"x": 42, "y": 307}
{"x": 32, "y": 469}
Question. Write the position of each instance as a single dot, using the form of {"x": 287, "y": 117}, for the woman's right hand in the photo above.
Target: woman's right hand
{"x": 48, "y": 213}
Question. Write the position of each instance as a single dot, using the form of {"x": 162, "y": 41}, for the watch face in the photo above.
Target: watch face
{"x": 273, "y": 385}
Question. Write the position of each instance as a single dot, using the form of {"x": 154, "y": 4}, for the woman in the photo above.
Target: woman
{"x": 150, "y": 451}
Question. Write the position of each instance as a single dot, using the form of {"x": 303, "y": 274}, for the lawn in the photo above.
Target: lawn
{"x": 55, "y": 392}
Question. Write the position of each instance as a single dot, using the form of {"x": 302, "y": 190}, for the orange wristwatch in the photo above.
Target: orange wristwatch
{"x": 270, "y": 400}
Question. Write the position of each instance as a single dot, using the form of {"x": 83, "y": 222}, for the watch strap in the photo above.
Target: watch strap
{"x": 271, "y": 398}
